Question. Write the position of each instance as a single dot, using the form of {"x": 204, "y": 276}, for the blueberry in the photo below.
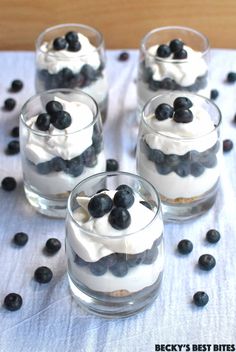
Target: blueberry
{"x": 71, "y": 37}
{"x": 208, "y": 159}
{"x": 180, "y": 55}
{"x": 89, "y": 72}
{"x": 53, "y": 106}
{"x": 13, "y": 147}
{"x": 163, "y": 112}
{"x": 231, "y": 77}
{"x": 112, "y": 165}
{"x": 66, "y": 75}
{"x": 146, "y": 204}
{"x": 61, "y": 120}
{"x": 9, "y": 104}
{"x": 185, "y": 246}
{"x": 182, "y": 103}
{"x": 59, "y": 43}
{"x": 102, "y": 190}
{"x": 99, "y": 205}
{"x": 13, "y": 301}
{"x": 196, "y": 169}
{"x": 43, "y": 122}
{"x": 110, "y": 260}
{"x": 206, "y": 262}
{"x": 119, "y": 218}
{"x": 176, "y": 45}
{"x": 53, "y": 245}
{"x": 193, "y": 155}
{"x": 16, "y": 85}
{"x": 234, "y": 120}
{"x": 154, "y": 85}
{"x": 183, "y": 169}
{"x": 172, "y": 159}
{"x": 163, "y": 169}
{"x": 183, "y": 116}
{"x": 123, "y": 198}
{"x": 151, "y": 255}
{"x": 214, "y": 94}
{"x": 15, "y": 132}
{"x": 74, "y": 46}
{"x": 44, "y": 168}
{"x": 213, "y": 236}
{"x": 75, "y": 167}
{"x": 200, "y": 298}
{"x": 97, "y": 142}
{"x": 20, "y": 238}
{"x": 8, "y": 184}
{"x": 119, "y": 269}
{"x": 79, "y": 261}
{"x": 124, "y": 187}
{"x": 156, "y": 155}
{"x": 58, "y": 164}
{"x": 163, "y": 51}
{"x": 227, "y": 145}
{"x": 98, "y": 268}
{"x": 90, "y": 157}
{"x": 43, "y": 274}
{"x": 124, "y": 56}
{"x": 168, "y": 84}
{"x": 135, "y": 259}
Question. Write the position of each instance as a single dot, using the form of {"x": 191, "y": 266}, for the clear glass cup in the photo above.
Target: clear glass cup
{"x": 83, "y": 69}
{"x": 54, "y": 161}
{"x": 114, "y": 273}
{"x": 157, "y": 74}
{"x": 185, "y": 170}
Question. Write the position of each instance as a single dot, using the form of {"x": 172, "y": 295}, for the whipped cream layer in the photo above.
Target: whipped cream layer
{"x": 67, "y": 143}
{"x": 55, "y": 60}
{"x": 184, "y": 72}
{"x": 179, "y": 138}
{"x": 173, "y": 186}
{"x": 59, "y": 182}
{"x": 135, "y": 280}
{"x": 141, "y": 233}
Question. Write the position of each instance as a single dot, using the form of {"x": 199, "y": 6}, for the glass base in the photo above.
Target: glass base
{"x": 174, "y": 212}
{"x": 114, "y": 307}
{"x": 49, "y": 206}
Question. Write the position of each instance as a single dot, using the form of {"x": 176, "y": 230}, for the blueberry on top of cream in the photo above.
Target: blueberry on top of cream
{"x": 180, "y": 111}
{"x": 174, "y": 47}
{"x": 55, "y": 115}
{"x": 70, "y": 42}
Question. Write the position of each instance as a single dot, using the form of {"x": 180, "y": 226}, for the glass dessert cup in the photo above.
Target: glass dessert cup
{"x": 181, "y": 160}
{"x": 55, "y": 160}
{"x": 172, "y": 72}
{"x": 114, "y": 272}
{"x": 83, "y": 69}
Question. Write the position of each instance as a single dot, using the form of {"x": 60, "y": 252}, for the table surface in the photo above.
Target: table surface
{"x": 49, "y": 319}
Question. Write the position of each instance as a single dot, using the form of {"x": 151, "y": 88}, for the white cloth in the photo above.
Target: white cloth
{"x": 49, "y": 319}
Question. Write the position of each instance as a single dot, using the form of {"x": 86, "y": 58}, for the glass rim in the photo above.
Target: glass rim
{"x": 116, "y": 173}
{"x": 182, "y": 138}
{"x": 175, "y": 61}
{"x": 45, "y": 93}
{"x": 76, "y": 55}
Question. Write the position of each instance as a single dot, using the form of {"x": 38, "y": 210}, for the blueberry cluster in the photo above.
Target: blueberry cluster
{"x": 180, "y": 111}
{"x": 119, "y": 216}
{"x": 75, "y": 166}
{"x": 54, "y": 115}
{"x": 192, "y": 163}
{"x": 120, "y": 263}
{"x": 170, "y": 84}
{"x": 66, "y": 78}
{"x": 175, "y": 47}
{"x": 69, "y": 42}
